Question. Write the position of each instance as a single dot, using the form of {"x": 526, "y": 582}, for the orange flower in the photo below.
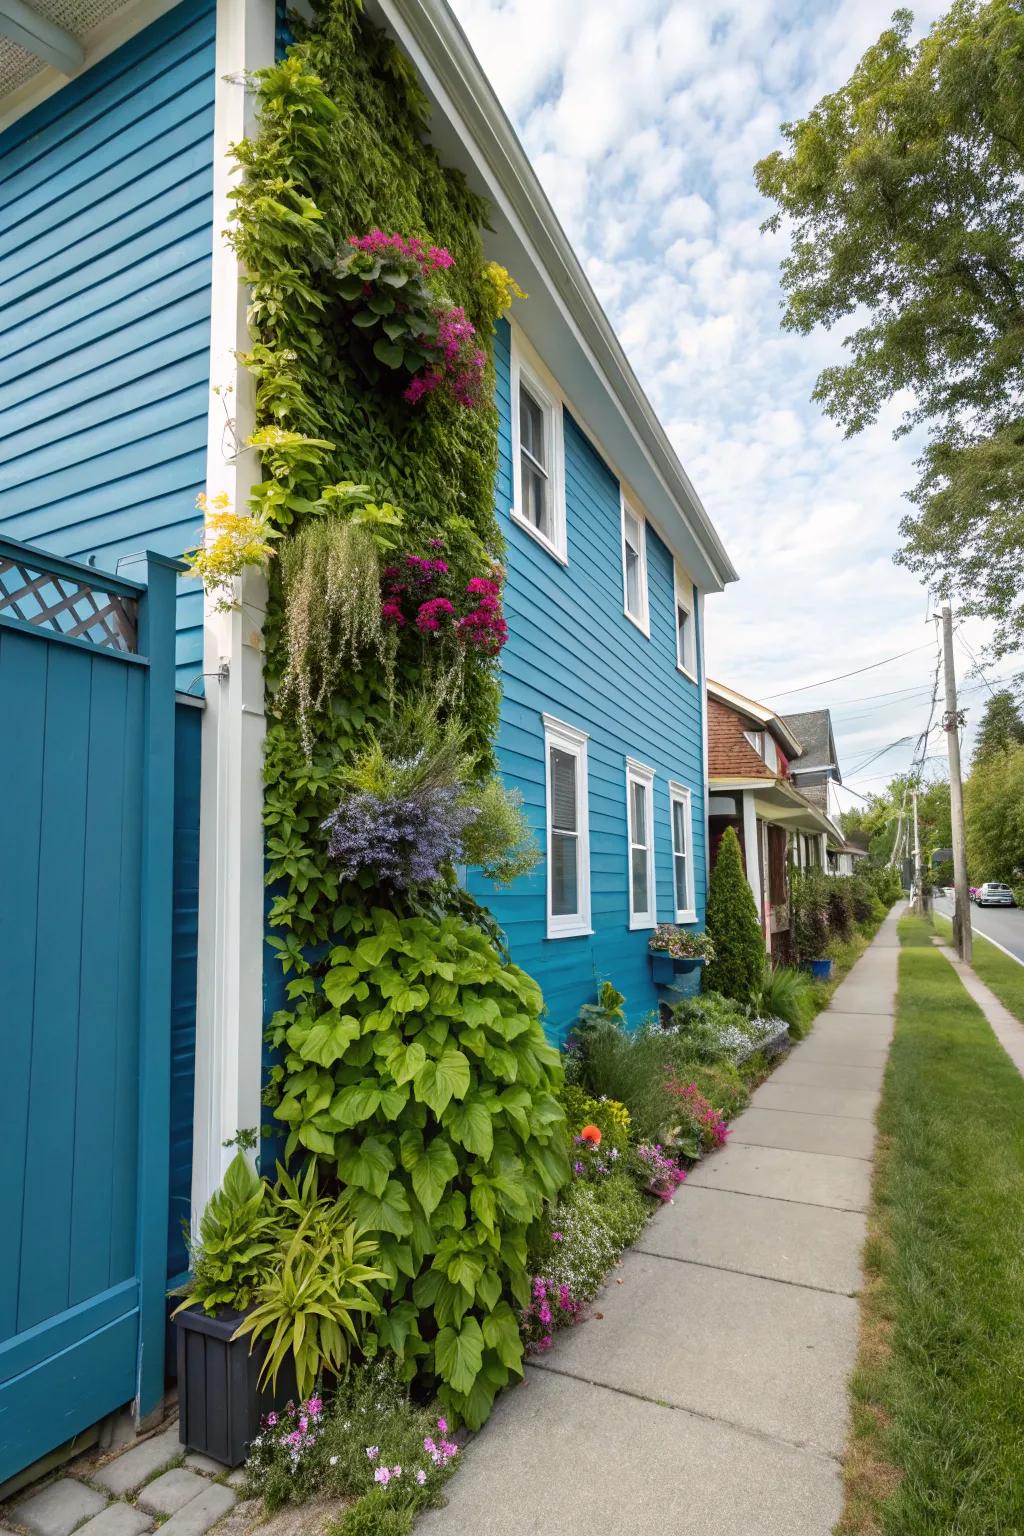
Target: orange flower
{"x": 592, "y": 1134}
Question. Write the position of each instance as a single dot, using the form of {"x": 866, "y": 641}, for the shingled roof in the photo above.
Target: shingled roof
{"x": 813, "y": 730}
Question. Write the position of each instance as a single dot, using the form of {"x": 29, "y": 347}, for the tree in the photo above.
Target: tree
{"x": 737, "y": 970}
{"x": 904, "y": 192}
{"x": 994, "y": 817}
{"x": 1001, "y": 727}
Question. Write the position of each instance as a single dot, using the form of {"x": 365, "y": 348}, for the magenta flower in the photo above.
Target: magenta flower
{"x": 557, "y": 1237}
{"x": 314, "y": 1407}
{"x": 442, "y": 1426}
{"x": 421, "y": 1477}
{"x": 430, "y": 614}
{"x": 271, "y": 1419}
{"x": 382, "y": 1476}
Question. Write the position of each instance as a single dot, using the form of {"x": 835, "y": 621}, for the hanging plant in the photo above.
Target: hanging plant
{"x": 331, "y": 576}
{"x": 229, "y": 542}
{"x": 405, "y": 325}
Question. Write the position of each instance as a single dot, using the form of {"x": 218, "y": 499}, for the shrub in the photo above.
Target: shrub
{"x": 786, "y": 994}
{"x": 630, "y": 1068}
{"x": 427, "y": 1082}
{"x": 701, "y": 1127}
{"x": 710, "y": 1027}
{"x": 810, "y": 911}
{"x": 612, "y": 1118}
{"x": 732, "y": 922}
{"x": 864, "y": 900}
{"x": 840, "y": 908}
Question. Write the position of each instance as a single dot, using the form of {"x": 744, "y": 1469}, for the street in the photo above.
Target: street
{"x": 1003, "y": 925}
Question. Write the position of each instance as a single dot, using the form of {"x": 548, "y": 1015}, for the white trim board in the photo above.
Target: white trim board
{"x": 570, "y": 739}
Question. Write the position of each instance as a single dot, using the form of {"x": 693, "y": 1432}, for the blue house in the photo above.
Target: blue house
{"x": 123, "y": 399}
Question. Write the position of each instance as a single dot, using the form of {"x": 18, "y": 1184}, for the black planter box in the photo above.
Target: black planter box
{"x": 220, "y": 1403}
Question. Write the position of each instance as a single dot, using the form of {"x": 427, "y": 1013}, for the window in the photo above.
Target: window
{"x": 685, "y": 636}
{"x": 634, "y": 568}
{"x": 756, "y": 740}
{"x": 682, "y": 853}
{"x": 640, "y": 821}
{"x": 538, "y": 458}
{"x": 568, "y": 844}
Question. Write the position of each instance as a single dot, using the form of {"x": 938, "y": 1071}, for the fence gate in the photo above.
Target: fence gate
{"x": 86, "y": 800}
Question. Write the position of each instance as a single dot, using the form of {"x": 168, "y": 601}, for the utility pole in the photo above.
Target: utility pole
{"x": 951, "y": 723}
{"x": 918, "y": 883}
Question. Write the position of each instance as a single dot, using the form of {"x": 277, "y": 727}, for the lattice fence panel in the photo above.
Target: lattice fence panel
{"x": 68, "y": 605}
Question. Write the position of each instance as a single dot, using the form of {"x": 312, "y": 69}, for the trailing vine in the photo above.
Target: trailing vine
{"x": 411, "y": 1059}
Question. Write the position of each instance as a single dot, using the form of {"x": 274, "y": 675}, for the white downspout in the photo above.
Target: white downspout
{"x": 229, "y": 1018}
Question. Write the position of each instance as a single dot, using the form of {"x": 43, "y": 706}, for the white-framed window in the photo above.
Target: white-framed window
{"x": 568, "y": 832}
{"x": 680, "y": 809}
{"x": 538, "y": 457}
{"x": 634, "y": 568}
{"x": 640, "y": 827}
{"x": 686, "y": 640}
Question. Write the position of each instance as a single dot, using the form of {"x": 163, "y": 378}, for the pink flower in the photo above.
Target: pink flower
{"x": 557, "y": 1237}
{"x": 396, "y": 1471}
{"x": 421, "y": 1477}
{"x": 373, "y": 1451}
{"x": 431, "y": 613}
{"x": 314, "y": 1407}
{"x": 271, "y": 1419}
{"x": 442, "y": 1425}
{"x": 391, "y": 613}
{"x": 382, "y": 1476}
{"x": 428, "y": 1445}
{"x": 439, "y": 257}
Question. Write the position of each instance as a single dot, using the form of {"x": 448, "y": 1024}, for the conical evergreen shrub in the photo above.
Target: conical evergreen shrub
{"x": 737, "y": 971}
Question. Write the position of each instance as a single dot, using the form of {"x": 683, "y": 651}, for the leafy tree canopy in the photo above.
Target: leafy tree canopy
{"x": 994, "y": 817}
{"x": 1001, "y": 727}
{"x": 904, "y": 195}
{"x": 879, "y": 818}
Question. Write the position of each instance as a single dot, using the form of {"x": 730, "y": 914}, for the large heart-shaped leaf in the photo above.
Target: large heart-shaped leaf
{"x": 438, "y": 1082}
{"x": 367, "y": 1164}
{"x": 387, "y": 352}
{"x": 501, "y": 1333}
{"x": 471, "y": 1125}
{"x": 387, "y": 1212}
{"x": 327, "y": 1041}
{"x": 405, "y": 1061}
{"x": 357, "y": 1102}
{"x": 458, "y": 1354}
{"x": 432, "y": 1169}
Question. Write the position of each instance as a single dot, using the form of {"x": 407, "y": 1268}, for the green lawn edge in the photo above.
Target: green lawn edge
{"x": 1000, "y": 972}
{"x": 937, "y": 1396}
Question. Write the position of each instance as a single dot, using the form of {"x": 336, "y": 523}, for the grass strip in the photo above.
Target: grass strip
{"x": 1004, "y": 975}
{"x": 937, "y": 1441}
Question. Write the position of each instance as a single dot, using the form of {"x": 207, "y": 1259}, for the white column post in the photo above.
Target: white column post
{"x": 751, "y": 851}
{"x": 229, "y": 1020}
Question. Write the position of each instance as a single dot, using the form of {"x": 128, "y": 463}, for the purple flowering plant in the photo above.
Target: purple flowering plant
{"x": 367, "y": 1442}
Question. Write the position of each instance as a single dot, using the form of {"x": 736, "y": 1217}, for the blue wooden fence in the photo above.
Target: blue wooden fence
{"x": 87, "y": 774}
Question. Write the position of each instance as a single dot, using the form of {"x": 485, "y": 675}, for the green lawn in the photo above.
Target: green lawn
{"x": 1004, "y": 975}
{"x": 938, "y": 1395}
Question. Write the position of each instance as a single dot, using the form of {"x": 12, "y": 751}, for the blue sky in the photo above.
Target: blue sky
{"x": 643, "y": 122}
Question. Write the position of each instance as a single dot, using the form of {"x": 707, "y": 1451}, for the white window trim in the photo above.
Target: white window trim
{"x": 551, "y": 404}
{"x": 639, "y": 773}
{"x": 679, "y": 794}
{"x": 642, "y": 620}
{"x": 687, "y": 665}
{"x": 569, "y": 738}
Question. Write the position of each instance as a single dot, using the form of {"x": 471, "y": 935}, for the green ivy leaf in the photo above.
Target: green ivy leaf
{"x": 327, "y": 1041}
{"x": 458, "y": 1354}
{"x": 355, "y": 1103}
{"x": 432, "y": 1171}
{"x": 405, "y": 1061}
{"x": 501, "y": 1333}
{"x": 470, "y": 1124}
{"x": 386, "y": 1212}
{"x": 367, "y": 1164}
{"x": 438, "y": 1082}
{"x": 387, "y": 352}
{"x": 364, "y": 318}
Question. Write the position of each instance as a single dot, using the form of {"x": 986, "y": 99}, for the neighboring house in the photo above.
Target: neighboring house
{"x": 819, "y": 763}
{"x": 753, "y": 755}
{"x": 123, "y": 398}
{"x": 843, "y": 860}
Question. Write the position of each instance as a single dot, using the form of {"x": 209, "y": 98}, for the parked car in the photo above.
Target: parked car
{"x": 994, "y": 894}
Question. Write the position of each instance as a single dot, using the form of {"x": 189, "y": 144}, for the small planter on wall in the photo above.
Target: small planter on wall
{"x": 220, "y": 1400}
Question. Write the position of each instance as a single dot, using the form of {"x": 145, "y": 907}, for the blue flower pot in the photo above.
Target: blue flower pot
{"x": 688, "y": 963}
{"x": 821, "y": 970}
{"x": 662, "y": 968}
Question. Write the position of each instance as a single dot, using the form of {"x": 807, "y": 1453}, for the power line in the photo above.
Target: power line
{"x": 806, "y": 688}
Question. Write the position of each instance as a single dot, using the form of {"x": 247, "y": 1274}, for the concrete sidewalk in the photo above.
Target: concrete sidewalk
{"x": 711, "y": 1395}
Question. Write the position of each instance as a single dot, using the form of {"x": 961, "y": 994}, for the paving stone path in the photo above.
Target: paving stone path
{"x": 152, "y": 1482}
{"x": 712, "y": 1394}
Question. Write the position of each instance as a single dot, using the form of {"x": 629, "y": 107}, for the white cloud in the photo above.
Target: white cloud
{"x": 644, "y": 123}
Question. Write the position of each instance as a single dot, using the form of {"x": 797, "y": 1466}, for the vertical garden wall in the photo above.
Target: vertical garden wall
{"x": 409, "y": 1058}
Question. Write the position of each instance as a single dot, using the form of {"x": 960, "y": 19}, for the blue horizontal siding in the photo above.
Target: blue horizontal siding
{"x": 573, "y": 654}
{"x": 105, "y": 256}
